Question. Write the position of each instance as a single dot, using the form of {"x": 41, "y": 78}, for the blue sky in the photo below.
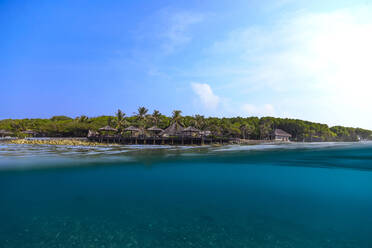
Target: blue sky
{"x": 281, "y": 58}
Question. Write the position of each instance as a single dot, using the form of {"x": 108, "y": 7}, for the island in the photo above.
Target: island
{"x": 159, "y": 129}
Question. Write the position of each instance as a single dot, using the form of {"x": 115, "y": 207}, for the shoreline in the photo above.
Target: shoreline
{"x": 81, "y": 141}
{"x": 55, "y": 141}
{"x": 75, "y": 141}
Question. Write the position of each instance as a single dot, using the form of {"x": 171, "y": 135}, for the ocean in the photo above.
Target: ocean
{"x": 289, "y": 195}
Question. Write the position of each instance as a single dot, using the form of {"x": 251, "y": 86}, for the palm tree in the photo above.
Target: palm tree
{"x": 155, "y": 117}
{"x": 176, "y": 116}
{"x": 199, "y": 122}
{"x": 82, "y": 119}
{"x": 216, "y": 130}
{"x": 120, "y": 115}
{"x": 120, "y": 120}
{"x": 141, "y": 114}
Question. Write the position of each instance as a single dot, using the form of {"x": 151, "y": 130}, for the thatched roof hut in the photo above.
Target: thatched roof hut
{"x": 132, "y": 129}
{"x": 205, "y": 133}
{"x": 107, "y": 129}
{"x": 155, "y": 129}
{"x": 280, "y": 132}
{"x": 173, "y": 130}
{"x": 191, "y": 131}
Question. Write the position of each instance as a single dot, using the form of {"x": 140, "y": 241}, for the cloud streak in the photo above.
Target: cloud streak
{"x": 311, "y": 65}
{"x": 178, "y": 27}
{"x": 223, "y": 106}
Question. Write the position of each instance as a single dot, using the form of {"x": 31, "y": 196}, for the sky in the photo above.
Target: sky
{"x": 309, "y": 60}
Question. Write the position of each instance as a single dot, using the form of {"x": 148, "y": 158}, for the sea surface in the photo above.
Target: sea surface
{"x": 291, "y": 195}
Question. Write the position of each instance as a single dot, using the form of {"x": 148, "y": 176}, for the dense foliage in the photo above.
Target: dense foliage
{"x": 237, "y": 127}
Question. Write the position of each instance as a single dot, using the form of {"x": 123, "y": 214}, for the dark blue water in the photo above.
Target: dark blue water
{"x": 266, "y": 196}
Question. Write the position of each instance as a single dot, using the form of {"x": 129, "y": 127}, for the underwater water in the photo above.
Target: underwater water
{"x": 294, "y": 195}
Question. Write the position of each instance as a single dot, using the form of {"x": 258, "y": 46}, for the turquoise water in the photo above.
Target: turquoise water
{"x": 296, "y": 195}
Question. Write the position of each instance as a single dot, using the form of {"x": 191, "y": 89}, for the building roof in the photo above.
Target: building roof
{"x": 107, "y": 128}
{"x": 280, "y": 132}
{"x": 155, "y": 128}
{"x": 205, "y": 132}
{"x": 173, "y": 129}
{"x": 191, "y": 129}
{"x": 132, "y": 129}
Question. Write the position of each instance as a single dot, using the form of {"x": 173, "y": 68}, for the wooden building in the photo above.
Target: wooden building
{"x": 191, "y": 132}
{"x": 107, "y": 129}
{"x": 175, "y": 134}
{"x": 155, "y": 131}
{"x": 280, "y": 135}
{"x": 133, "y": 130}
{"x": 173, "y": 130}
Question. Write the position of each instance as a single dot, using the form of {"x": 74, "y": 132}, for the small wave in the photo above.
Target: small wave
{"x": 271, "y": 146}
{"x": 343, "y": 155}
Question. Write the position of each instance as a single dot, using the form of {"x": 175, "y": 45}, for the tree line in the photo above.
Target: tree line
{"x": 235, "y": 127}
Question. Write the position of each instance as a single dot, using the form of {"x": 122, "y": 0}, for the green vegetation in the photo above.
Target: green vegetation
{"x": 237, "y": 127}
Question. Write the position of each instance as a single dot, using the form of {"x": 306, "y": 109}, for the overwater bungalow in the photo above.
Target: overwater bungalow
{"x": 107, "y": 129}
{"x": 132, "y": 130}
{"x": 155, "y": 131}
{"x": 105, "y": 133}
{"x": 175, "y": 134}
{"x": 134, "y": 134}
{"x": 173, "y": 130}
{"x": 191, "y": 132}
{"x": 205, "y": 133}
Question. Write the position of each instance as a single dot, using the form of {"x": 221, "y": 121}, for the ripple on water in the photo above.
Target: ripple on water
{"x": 15, "y": 156}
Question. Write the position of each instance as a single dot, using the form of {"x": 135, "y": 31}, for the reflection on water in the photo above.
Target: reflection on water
{"x": 294, "y": 195}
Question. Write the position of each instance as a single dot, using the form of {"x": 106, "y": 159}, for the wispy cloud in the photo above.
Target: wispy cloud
{"x": 320, "y": 60}
{"x": 178, "y": 28}
{"x": 224, "y": 106}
